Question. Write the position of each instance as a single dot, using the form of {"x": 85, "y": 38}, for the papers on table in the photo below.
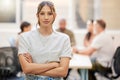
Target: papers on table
{"x": 80, "y": 61}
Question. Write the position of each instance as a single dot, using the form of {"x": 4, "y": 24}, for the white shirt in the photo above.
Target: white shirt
{"x": 45, "y": 49}
{"x": 105, "y": 50}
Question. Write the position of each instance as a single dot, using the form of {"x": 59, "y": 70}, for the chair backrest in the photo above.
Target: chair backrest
{"x": 113, "y": 71}
{"x": 116, "y": 61}
{"x": 9, "y": 63}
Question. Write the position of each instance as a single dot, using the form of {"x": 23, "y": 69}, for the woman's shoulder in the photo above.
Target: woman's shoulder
{"x": 61, "y": 35}
{"x": 28, "y": 34}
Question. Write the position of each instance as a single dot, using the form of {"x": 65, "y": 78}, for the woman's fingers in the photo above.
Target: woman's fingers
{"x": 75, "y": 50}
{"x": 56, "y": 64}
{"x": 28, "y": 57}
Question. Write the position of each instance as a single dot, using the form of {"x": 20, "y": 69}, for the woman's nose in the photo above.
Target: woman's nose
{"x": 46, "y": 16}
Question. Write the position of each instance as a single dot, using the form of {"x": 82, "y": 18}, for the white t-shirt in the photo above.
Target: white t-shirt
{"x": 105, "y": 50}
{"x": 45, "y": 49}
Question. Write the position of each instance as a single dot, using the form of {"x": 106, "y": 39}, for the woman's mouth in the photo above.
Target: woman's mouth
{"x": 46, "y": 22}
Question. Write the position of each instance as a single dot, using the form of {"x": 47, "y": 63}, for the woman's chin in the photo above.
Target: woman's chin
{"x": 46, "y": 25}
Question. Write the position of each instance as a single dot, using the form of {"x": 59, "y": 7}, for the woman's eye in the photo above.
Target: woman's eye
{"x": 50, "y": 13}
{"x": 41, "y": 13}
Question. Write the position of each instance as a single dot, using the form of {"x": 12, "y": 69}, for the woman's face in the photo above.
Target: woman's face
{"x": 46, "y": 16}
{"x": 97, "y": 27}
{"x": 90, "y": 27}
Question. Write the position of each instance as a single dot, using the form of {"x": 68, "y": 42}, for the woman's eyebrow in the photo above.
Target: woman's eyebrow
{"x": 45, "y": 11}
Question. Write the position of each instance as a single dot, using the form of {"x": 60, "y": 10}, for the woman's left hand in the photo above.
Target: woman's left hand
{"x": 28, "y": 57}
{"x": 75, "y": 50}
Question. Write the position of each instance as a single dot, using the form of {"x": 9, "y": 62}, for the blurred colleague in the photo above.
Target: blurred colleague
{"x": 101, "y": 50}
{"x": 63, "y": 29}
{"x": 90, "y": 34}
{"x": 25, "y": 27}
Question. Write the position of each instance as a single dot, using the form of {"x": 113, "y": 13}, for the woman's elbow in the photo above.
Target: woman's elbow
{"x": 63, "y": 73}
{"x": 26, "y": 70}
{"x": 24, "y": 64}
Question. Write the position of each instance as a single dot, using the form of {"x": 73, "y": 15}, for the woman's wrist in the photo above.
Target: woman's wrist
{"x": 77, "y": 51}
{"x": 55, "y": 64}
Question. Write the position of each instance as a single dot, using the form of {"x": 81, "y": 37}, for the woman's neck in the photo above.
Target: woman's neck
{"x": 45, "y": 31}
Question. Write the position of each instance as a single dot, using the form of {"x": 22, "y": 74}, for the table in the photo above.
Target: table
{"x": 81, "y": 62}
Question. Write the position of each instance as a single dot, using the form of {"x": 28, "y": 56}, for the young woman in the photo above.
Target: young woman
{"x": 90, "y": 34}
{"x": 44, "y": 54}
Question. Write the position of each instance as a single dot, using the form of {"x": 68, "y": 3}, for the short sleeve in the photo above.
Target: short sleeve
{"x": 23, "y": 46}
{"x": 97, "y": 43}
{"x": 66, "y": 50}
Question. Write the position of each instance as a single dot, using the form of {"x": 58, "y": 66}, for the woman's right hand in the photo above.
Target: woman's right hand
{"x": 28, "y": 57}
{"x": 75, "y": 50}
{"x": 56, "y": 64}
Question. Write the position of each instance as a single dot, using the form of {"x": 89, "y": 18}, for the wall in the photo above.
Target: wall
{"x": 110, "y": 12}
{"x": 109, "y": 7}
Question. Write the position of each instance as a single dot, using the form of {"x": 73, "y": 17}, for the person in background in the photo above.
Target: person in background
{"x": 101, "y": 50}
{"x": 63, "y": 29}
{"x": 44, "y": 54}
{"x": 25, "y": 27}
{"x": 90, "y": 34}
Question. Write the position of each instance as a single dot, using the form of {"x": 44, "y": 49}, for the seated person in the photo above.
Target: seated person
{"x": 63, "y": 29}
{"x": 90, "y": 34}
{"x": 24, "y": 27}
{"x": 101, "y": 50}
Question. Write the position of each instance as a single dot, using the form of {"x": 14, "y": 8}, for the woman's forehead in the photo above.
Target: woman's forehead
{"x": 46, "y": 8}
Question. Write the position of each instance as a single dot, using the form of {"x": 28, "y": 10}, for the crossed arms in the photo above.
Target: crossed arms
{"x": 52, "y": 69}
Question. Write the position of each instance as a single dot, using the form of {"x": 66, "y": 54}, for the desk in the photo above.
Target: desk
{"x": 81, "y": 62}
